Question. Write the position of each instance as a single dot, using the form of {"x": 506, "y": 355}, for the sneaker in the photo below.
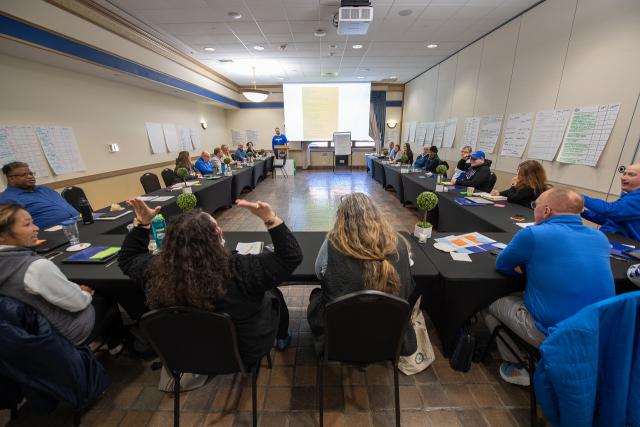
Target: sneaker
{"x": 114, "y": 351}
{"x": 514, "y": 373}
{"x": 283, "y": 343}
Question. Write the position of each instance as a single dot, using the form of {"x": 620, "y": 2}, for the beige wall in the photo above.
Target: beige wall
{"x": 560, "y": 54}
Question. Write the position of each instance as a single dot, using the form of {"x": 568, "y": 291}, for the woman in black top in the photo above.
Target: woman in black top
{"x": 194, "y": 269}
{"x": 530, "y": 182}
{"x": 184, "y": 161}
{"x": 407, "y": 151}
{"x": 250, "y": 148}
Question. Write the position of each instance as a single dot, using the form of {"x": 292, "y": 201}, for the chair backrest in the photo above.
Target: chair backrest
{"x": 192, "y": 340}
{"x": 150, "y": 182}
{"x": 492, "y": 182}
{"x": 169, "y": 177}
{"x": 365, "y": 327}
{"x": 73, "y": 195}
{"x": 284, "y": 162}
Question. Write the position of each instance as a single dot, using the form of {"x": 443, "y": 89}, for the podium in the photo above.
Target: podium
{"x": 280, "y": 152}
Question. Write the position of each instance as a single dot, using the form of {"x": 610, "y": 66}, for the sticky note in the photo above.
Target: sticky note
{"x": 460, "y": 257}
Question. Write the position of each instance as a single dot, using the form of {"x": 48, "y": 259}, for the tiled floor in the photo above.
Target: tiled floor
{"x": 287, "y": 394}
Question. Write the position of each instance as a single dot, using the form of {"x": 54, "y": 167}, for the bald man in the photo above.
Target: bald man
{"x": 203, "y": 164}
{"x": 567, "y": 268}
{"x": 623, "y": 215}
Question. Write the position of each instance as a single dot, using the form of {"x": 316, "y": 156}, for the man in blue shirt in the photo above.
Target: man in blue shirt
{"x": 203, "y": 164}
{"x": 46, "y": 206}
{"x": 278, "y": 139}
{"x": 567, "y": 268}
{"x": 240, "y": 155}
{"x": 623, "y": 215}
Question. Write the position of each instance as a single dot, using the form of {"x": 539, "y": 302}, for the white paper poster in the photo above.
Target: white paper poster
{"x": 391, "y": 135}
{"x": 156, "y": 137}
{"x": 238, "y": 137}
{"x": 19, "y": 144}
{"x": 405, "y": 132}
{"x": 438, "y": 133}
{"x": 471, "y": 129}
{"x": 252, "y": 136}
{"x": 489, "y": 131}
{"x": 516, "y": 134}
{"x": 184, "y": 138}
{"x": 61, "y": 149}
{"x": 412, "y": 131}
{"x": 421, "y": 133}
{"x": 428, "y": 138}
{"x": 547, "y": 134}
{"x": 195, "y": 139}
{"x": 171, "y": 137}
{"x": 588, "y": 134}
{"x": 449, "y": 132}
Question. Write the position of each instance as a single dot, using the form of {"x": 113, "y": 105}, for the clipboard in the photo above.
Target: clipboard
{"x": 93, "y": 255}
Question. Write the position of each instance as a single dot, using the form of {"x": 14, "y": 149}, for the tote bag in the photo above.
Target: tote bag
{"x": 424, "y": 355}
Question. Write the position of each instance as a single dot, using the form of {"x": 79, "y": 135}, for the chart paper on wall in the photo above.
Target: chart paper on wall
{"x": 19, "y": 144}
{"x": 61, "y": 149}
{"x": 428, "y": 139}
{"x": 412, "y": 131}
{"x": 238, "y": 137}
{"x": 588, "y": 134}
{"x": 471, "y": 129}
{"x": 489, "y": 131}
{"x": 156, "y": 137}
{"x": 171, "y": 137}
{"x": 449, "y": 132}
{"x": 421, "y": 133}
{"x": 195, "y": 139}
{"x": 547, "y": 134}
{"x": 405, "y": 132}
{"x": 391, "y": 135}
{"x": 252, "y": 136}
{"x": 438, "y": 133}
{"x": 184, "y": 138}
{"x": 516, "y": 134}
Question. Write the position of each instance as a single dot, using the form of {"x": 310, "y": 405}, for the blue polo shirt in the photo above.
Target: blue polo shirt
{"x": 240, "y": 154}
{"x": 46, "y": 206}
{"x": 620, "y": 217}
{"x": 279, "y": 140}
{"x": 204, "y": 167}
{"x": 567, "y": 267}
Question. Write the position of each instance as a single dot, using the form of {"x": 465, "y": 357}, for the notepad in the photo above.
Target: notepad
{"x": 94, "y": 255}
{"x": 110, "y": 216}
{"x": 253, "y": 248}
{"x": 162, "y": 198}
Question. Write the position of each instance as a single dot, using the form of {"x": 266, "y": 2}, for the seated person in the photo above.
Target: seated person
{"x": 527, "y": 186}
{"x": 46, "y": 206}
{"x": 240, "y": 155}
{"x": 406, "y": 151}
{"x": 479, "y": 174}
{"x": 218, "y": 157}
{"x": 567, "y": 268}
{"x": 464, "y": 163}
{"x": 184, "y": 161}
{"x": 73, "y": 310}
{"x": 623, "y": 215}
{"x": 433, "y": 161}
{"x": 422, "y": 159}
{"x": 250, "y": 149}
{"x": 203, "y": 164}
{"x": 393, "y": 150}
{"x": 361, "y": 251}
{"x": 226, "y": 154}
{"x": 194, "y": 269}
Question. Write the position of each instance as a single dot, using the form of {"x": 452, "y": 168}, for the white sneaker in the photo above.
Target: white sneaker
{"x": 514, "y": 373}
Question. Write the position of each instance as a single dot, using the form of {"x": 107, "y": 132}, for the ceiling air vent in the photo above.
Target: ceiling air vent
{"x": 225, "y": 60}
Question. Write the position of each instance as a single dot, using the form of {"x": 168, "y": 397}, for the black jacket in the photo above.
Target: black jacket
{"x": 248, "y": 298}
{"x": 481, "y": 179}
{"x": 463, "y": 165}
{"x": 522, "y": 196}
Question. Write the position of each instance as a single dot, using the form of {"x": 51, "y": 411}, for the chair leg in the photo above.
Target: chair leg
{"x": 532, "y": 395}
{"x": 254, "y": 392}
{"x": 492, "y": 339}
{"x": 320, "y": 381}
{"x": 396, "y": 387}
{"x": 269, "y": 364}
{"x": 176, "y": 399}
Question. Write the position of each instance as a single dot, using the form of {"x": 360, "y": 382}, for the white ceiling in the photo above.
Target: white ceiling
{"x": 394, "y": 46}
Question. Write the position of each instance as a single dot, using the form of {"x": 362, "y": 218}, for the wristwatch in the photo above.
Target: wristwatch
{"x": 138, "y": 223}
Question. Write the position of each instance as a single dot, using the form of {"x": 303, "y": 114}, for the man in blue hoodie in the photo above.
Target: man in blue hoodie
{"x": 567, "y": 268}
{"x": 623, "y": 215}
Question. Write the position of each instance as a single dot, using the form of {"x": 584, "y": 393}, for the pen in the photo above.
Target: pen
{"x": 619, "y": 258}
{"x": 53, "y": 255}
{"x": 111, "y": 263}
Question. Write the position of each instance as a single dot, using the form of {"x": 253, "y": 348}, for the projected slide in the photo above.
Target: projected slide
{"x": 314, "y": 111}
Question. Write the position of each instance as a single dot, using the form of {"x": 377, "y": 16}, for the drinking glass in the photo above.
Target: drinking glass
{"x": 70, "y": 230}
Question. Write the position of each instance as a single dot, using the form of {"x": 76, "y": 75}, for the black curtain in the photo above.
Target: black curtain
{"x": 379, "y": 102}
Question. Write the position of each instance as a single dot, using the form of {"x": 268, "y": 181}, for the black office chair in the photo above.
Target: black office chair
{"x": 189, "y": 340}
{"x": 73, "y": 195}
{"x": 281, "y": 167}
{"x": 169, "y": 177}
{"x": 532, "y": 355}
{"x": 150, "y": 182}
{"x": 492, "y": 182}
{"x": 364, "y": 327}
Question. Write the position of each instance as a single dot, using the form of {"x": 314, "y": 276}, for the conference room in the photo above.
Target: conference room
{"x": 292, "y": 212}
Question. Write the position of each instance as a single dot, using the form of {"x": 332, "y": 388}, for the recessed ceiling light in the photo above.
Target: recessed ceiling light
{"x": 393, "y": 77}
{"x": 432, "y": 46}
{"x": 357, "y": 46}
{"x": 333, "y": 46}
{"x": 258, "y": 47}
{"x": 405, "y": 12}
{"x": 320, "y": 33}
{"x": 210, "y": 49}
{"x": 361, "y": 77}
{"x": 234, "y": 15}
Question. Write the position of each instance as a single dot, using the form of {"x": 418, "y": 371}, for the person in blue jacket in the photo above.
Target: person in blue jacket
{"x": 240, "y": 154}
{"x": 422, "y": 158}
{"x": 433, "y": 161}
{"x": 623, "y": 215}
{"x": 203, "y": 164}
{"x": 567, "y": 268}
{"x": 279, "y": 139}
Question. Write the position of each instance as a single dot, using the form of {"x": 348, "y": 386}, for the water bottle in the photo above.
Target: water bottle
{"x": 158, "y": 228}
{"x": 85, "y": 211}
{"x": 223, "y": 168}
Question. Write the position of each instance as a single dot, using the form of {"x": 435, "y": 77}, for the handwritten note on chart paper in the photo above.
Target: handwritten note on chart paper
{"x": 184, "y": 138}
{"x": 412, "y": 131}
{"x": 171, "y": 137}
{"x": 195, "y": 139}
{"x": 438, "y": 134}
{"x": 588, "y": 134}
{"x": 471, "y": 129}
{"x": 547, "y": 133}
{"x": 156, "y": 137}
{"x": 421, "y": 133}
{"x": 19, "y": 143}
{"x": 449, "y": 132}
{"x": 516, "y": 134}
{"x": 252, "y": 136}
{"x": 61, "y": 149}
{"x": 489, "y": 131}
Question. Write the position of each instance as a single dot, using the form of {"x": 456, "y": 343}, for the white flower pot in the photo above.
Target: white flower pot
{"x": 187, "y": 189}
{"x": 419, "y": 232}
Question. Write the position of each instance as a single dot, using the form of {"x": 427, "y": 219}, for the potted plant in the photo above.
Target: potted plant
{"x": 186, "y": 201}
{"x": 250, "y": 156}
{"x": 183, "y": 173}
{"x": 227, "y": 162}
{"x": 425, "y": 201}
{"x": 261, "y": 152}
{"x": 441, "y": 172}
{"x": 385, "y": 152}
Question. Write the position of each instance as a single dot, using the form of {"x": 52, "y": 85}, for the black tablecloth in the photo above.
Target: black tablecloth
{"x": 257, "y": 172}
{"x": 242, "y": 178}
{"x": 268, "y": 166}
{"x": 378, "y": 171}
{"x": 393, "y": 178}
{"x": 415, "y": 183}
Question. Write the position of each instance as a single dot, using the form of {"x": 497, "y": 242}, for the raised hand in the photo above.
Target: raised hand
{"x": 143, "y": 212}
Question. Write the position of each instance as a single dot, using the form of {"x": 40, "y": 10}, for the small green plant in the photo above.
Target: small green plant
{"x": 426, "y": 201}
{"x": 385, "y": 152}
{"x": 187, "y": 201}
{"x": 441, "y": 170}
{"x": 227, "y": 161}
{"x": 404, "y": 159}
{"x": 250, "y": 154}
{"x": 261, "y": 151}
{"x": 182, "y": 173}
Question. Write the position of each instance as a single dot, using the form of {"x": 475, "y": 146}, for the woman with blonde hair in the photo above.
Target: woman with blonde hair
{"x": 527, "y": 185}
{"x": 361, "y": 251}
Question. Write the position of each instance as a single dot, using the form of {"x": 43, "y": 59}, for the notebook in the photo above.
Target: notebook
{"x": 110, "y": 216}
{"x": 93, "y": 255}
{"x": 488, "y": 196}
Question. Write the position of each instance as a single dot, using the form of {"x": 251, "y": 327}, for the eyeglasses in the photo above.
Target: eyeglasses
{"x": 22, "y": 175}
{"x": 534, "y": 204}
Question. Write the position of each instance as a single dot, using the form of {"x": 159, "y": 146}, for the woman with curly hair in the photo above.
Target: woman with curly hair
{"x": 361, "y": 251}
{"x": 195, "y": 270}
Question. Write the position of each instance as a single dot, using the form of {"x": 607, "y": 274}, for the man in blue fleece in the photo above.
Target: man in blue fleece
{"x": 567, "y": 268}
{"x": 623, "y": 215}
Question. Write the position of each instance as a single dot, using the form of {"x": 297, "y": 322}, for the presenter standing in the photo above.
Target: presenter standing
{"x": 279, "y": 139}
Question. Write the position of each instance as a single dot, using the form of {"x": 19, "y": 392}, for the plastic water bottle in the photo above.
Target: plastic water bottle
{"x": 85, "y": 211}
{"x": 158, "y": 228}
{"x": 224, "y": 168}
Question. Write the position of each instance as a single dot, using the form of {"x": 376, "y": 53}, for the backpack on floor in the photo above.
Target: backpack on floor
{"x": 424, "y": 355}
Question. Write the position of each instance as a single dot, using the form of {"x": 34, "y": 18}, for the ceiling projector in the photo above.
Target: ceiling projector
{"x": 354, "y": 17}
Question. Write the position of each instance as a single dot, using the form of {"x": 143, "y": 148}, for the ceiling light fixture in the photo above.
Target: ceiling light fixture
{"x": 255, "y": 94}
{"x": 357, "y": 46}
{"x": 234, "y": 15}
{"x": 361, "y": 77}
{"x": 210, "y": 49}
{"x": 392, "y": 123}
{"x": 393, "y": 77}
{"x": 405, "y": 12}
{"x": 320, "y": 33}
{"x": 258, "y": 47}
{"x": 432, "y": 46}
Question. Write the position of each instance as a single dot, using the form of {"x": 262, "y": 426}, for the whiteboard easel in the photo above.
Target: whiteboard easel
{"x": 341, "y": 149}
